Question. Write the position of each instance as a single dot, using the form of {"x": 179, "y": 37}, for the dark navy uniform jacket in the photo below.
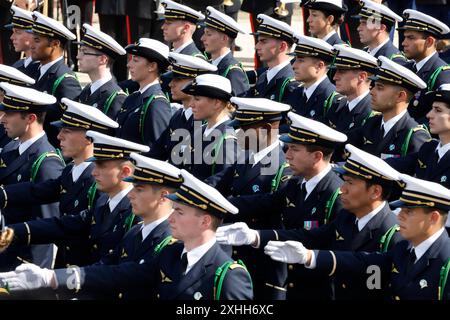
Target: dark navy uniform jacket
{"x": 334, "y": 39}
{"x": 395, "y": 143}
{"x": 15, "y": 168}
{"x": 339, "y": 235}
{"x": 314, "y": 107}
{"x": 230, "y": 68}
{"x": 246, "y": 179}
{"x": 69, "y": 88}
{"x": 144, "y": 128}
{"x": 390, "y": 51}
{"x": 214, "y": 155}
{"x": 163, "y": 149}
{"x": 73, "y": 199}
{"x": 274, "y": 89}
{"x": 418, "y": 106}
{"x": 29, "y": 70}
{"x": 419, "y": 282}
{"x": 102, "y": 229}
{"x": 424, "y": 165}
{"x": 163, "y": 277}
{"x": 102, "y": 95}
{"x": 296, "y": 213}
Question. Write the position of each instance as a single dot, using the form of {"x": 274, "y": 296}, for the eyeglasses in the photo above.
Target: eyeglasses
{"x": 84, "y": 53}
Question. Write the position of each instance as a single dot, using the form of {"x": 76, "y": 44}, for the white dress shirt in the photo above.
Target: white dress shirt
{"x": 310, "y": 90}
{"x": 388, "y": 125}
{"x": 23, "y": 146}
{"x": 218, "y": 59}
{"x": 196, "y": 254}
{"x": 98, "y": 83}
{"x": 44, "y": 68}
{"x": 77, "y": 170}
{"x": 352, "y": 104}
{"x": 114, "y": 201}
{"x": 314, "y": 181}
{"x": 272, "y": 72}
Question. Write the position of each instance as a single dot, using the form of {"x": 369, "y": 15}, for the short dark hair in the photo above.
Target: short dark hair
{"x": 386, "y": 187}
{"x": 327, "y": 152}
{"x": 40, "y": 116}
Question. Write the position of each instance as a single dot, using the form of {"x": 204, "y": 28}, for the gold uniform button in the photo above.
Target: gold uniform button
{"x": 343, "y": 285}
{"x": 67, "y": 248}
{"x": 157, "y": 296}
{"x": 291, "y": 285}
{"x": 111, "y": 251}
{"x": 397, "y": 298}
{"x": 291, "y": 267}
{"x": 67, "y": 265}
{"x": 94, "y": 246}
{"x": 120, "y": 295}
{"x": 234, "y": 251}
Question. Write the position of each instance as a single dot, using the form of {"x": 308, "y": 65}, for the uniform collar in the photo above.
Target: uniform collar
{"x": 374, "y": 51}
{"x": 442, "y": 149}
{"x": 77, "y": 170}
{"x": 27, "y": 62}
{"x": 196, "y": 254}
{"x": 187, "y": 113}
{"x": 183, "y": 46}
{"x": 272, "y": 72}
{"x": 44, "y": 68}
{"x": 422, "y": 62}
{"x": 257, "y": 157}
{"x": 388, "y": 125}
{"x": 209, "y": 130}
{"x": 352, "y": 104}
{"x": 426, "y": 244}
{"x": 362, "y": 222}
{"x": 217, "y": 60}
{"x": 148, "y": 228}
{"x": 156, "y": 81}
{"x": 328, "y": 36}
{"x": 98, "y": 83}
{"x": 310, "y": 90}
{"x": 23, "y": 146}
{"x": 314, "y": 181}
{"x": 114, "y": 201}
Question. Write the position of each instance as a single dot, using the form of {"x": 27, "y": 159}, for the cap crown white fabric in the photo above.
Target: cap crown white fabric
{"x": 106, "y": 39}
{"x": 260, "y": 104}
{"x": 54, "y": 25}
{"x": 402, "y": 71}
{"x": 89, "y": 112}
{"x": 14, "y": 74}
{"x": 176, "y": 6}
{"x": 316, "y": 127}
{"x": 192, "y": 62}
{"x": 156, "y": 165}
{"x": 113, "y": 141}
{"x": 417, "y": 15}
{"x": 214, "y": 80}
{"x": 225, "y": 19}
{"x": 154, "y": 45}
{"x": 426, "y": 187}
{"x": 382, "y": 9}
{"x": 27, "y": 94}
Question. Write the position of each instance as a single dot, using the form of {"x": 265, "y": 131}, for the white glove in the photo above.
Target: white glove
{"x": 27, "y": 276}
{"x": 287, "y": 252}
{"x": 236, "y": 234}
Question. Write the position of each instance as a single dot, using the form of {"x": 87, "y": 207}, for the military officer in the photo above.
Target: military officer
{"x": 75, "y": 188}
{"x": 194, "y": 268}
{"x": 353, "y": 69}
{"x": 264, "y": 171}
{"x": 313, "y": 57}
{"x": 275, "y": 39}
{"x": 104, "y": 224}
{"x": 416, "y": 268}
{"x": 218, "y": 37}
{"x": 421, "y": 33}
{"x": 96, "y": 57}
{"x": 393, "y": 133}
{"x": 213, "y": 146}
{"x": 363, "y": 224}
{"x": 180, "y": 23}
{"x": 146, "y": 113}
{"x": 185, "y": 68}
{"x": 324, "y": 18}
{"x": 28, "y": 156}
{"x": 11, "y": 75}
{"x": 152, "y": 180}
{"x": 53, "y": 76}
{"x": 375, "y": 23}
{"x": 22, "y": 20}
{"x": 306, "y": 201}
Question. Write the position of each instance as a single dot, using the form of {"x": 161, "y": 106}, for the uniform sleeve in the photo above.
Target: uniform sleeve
{"x": 68, "y": 88}
{"x": 50, "y": 168}
{"x": 37, "y": 193}
{"x": 44, "y": 231}
{"x": 115, "y": 106}
{"x": 237, "y": 285}
{"x": 108, "y": 278}
{"x": 239, "y": 81}
{"x": 420, "y": 136}
{"x": 156, "y": 121}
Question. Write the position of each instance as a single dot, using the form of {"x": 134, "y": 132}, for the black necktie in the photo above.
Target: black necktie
{"x": 414, "y": 68}
{"x": 355, "y": 229}
{"x": 184, "y": 263}
{"x": 303, "y": 190}
{"x": 411, "y": 260}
